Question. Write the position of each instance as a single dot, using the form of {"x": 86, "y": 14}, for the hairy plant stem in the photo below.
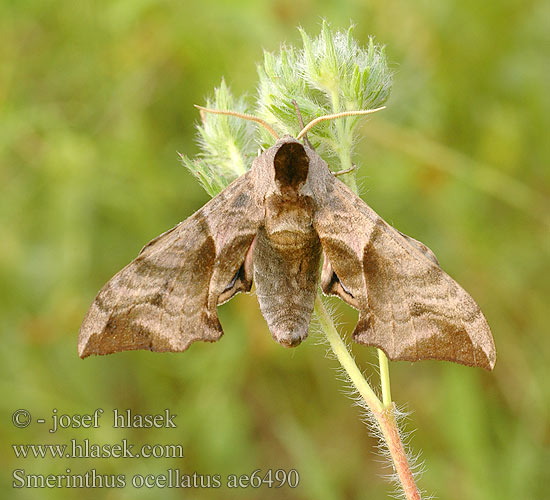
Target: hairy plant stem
{"x": 383, "y": 412}
{"x": 343, "y": 145}
{"x": 384, "y": 378}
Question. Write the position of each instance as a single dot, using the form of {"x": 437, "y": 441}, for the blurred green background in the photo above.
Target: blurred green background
{"x": 95, "y": 101}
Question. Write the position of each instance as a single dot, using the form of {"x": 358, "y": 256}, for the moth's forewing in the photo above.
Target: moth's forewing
{"x": 167, "y": 297}
{"x": 408, "y": 306}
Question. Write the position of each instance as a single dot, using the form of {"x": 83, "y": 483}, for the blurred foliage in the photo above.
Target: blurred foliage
{"x": 330, "y": 74}
{"x": 226, "y": 143}
{"x": 96, "y": 99}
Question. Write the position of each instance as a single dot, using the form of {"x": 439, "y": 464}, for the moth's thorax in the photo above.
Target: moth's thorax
{"x": 289, "y": 220}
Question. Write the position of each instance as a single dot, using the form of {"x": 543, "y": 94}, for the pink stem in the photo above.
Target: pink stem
{"x": 388, "y": 426}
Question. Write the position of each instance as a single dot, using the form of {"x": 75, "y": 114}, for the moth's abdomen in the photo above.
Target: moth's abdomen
{"x": 286, "y": 273}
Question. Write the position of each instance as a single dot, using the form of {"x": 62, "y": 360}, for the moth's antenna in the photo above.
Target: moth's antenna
{"x": 301, "y": 121}
{"x": 312, "y": 123}
{"x": 244, "y": 116}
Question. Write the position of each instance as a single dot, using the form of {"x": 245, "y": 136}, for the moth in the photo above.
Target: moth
{"x": 287, "y": 224}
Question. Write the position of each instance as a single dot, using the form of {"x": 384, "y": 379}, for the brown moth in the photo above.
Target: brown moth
{"x": 273, "y": 226}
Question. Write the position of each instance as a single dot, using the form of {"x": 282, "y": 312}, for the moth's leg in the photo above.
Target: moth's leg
{"x": 347, "y": 171}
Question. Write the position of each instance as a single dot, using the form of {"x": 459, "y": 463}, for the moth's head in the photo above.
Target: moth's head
{"x": 290, "y": 164}
{"x": 289, "y": 168}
